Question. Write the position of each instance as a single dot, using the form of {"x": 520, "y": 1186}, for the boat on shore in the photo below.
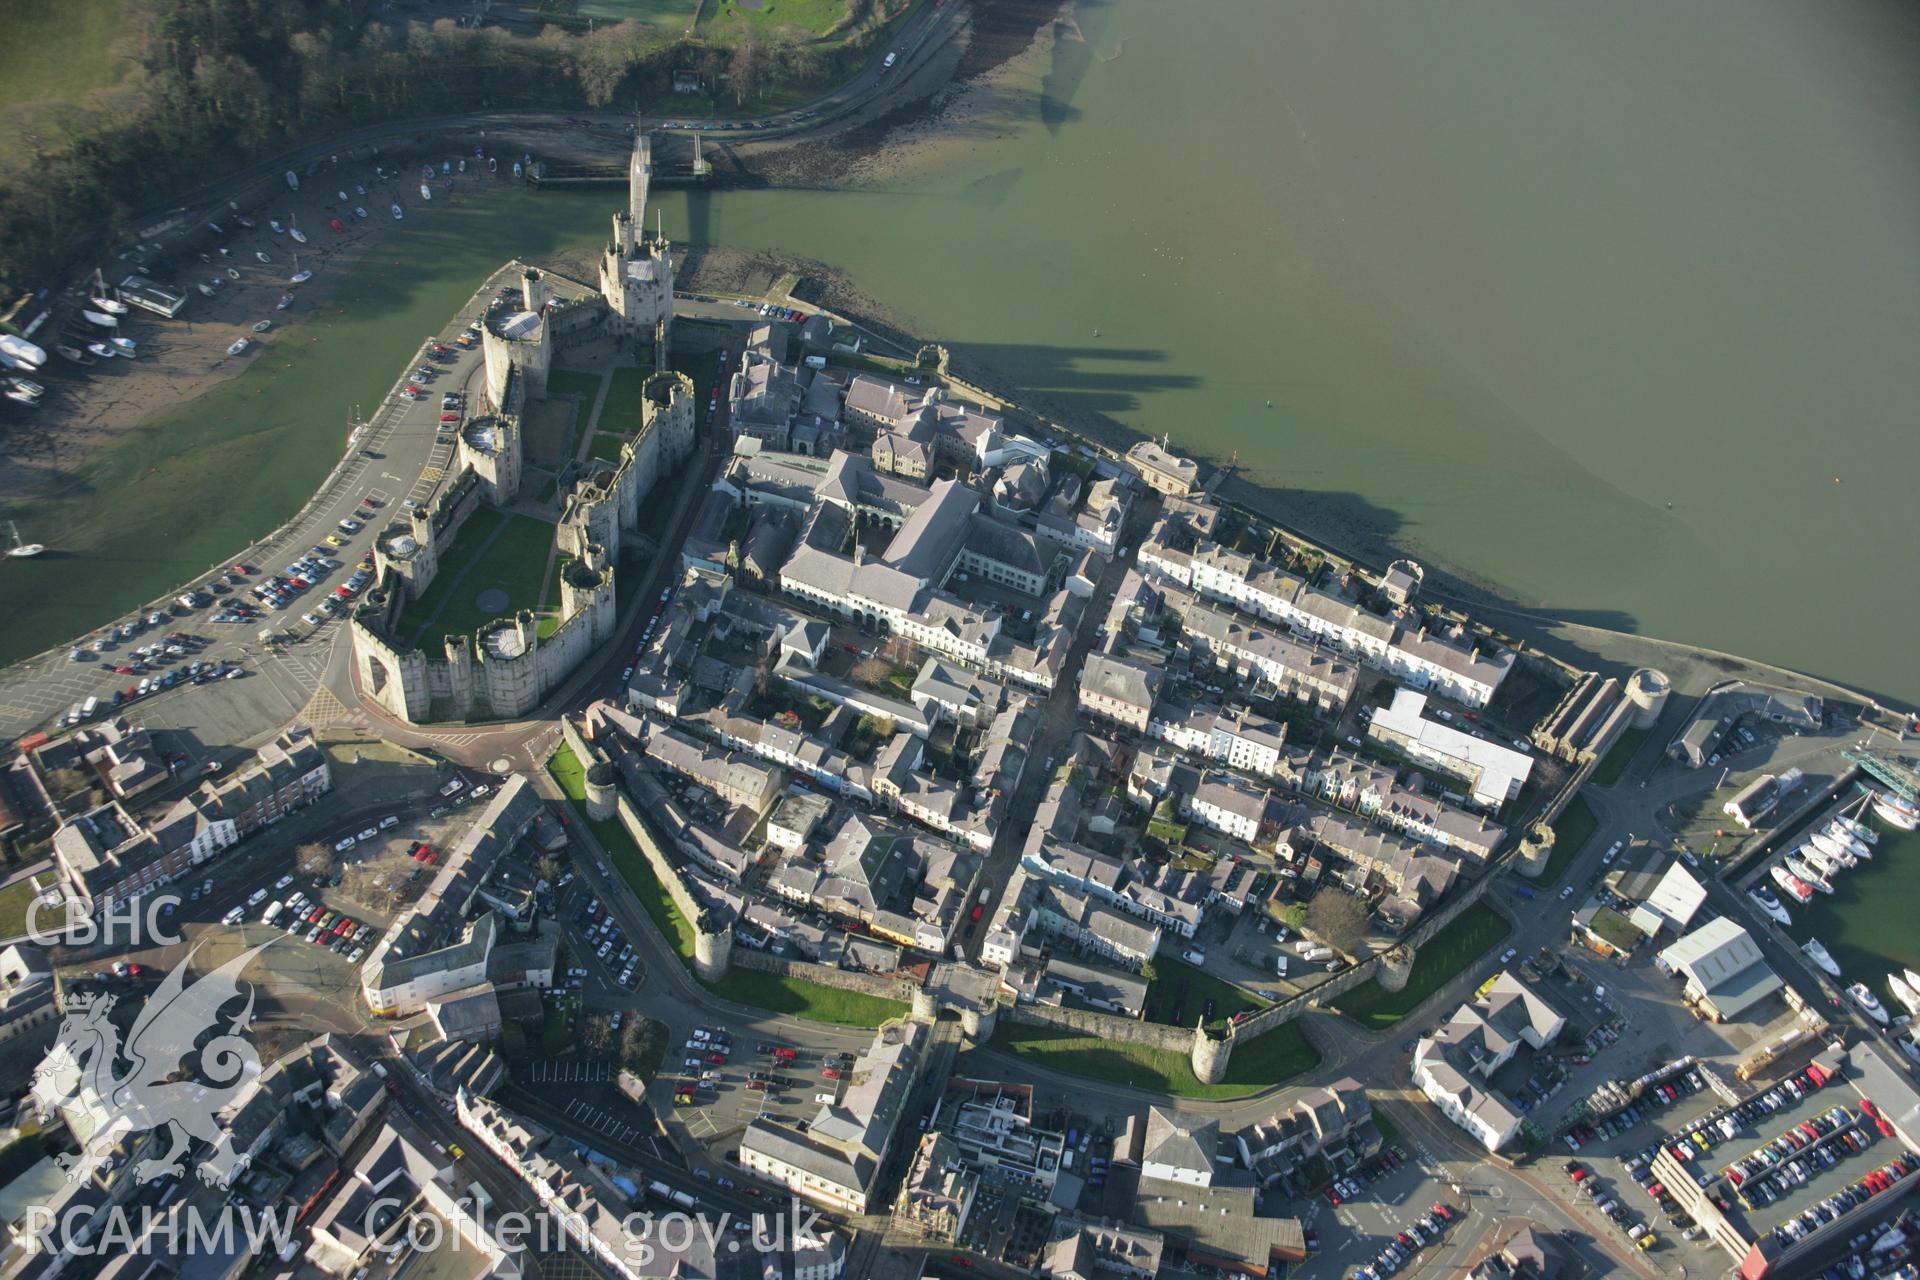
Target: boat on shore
{"x": 20, "y": 391}
{"x": 262, "y": 257}
{"x": 124, "y": 346}
{"x": 244, "y": 221}
{"x": 99, "y": 319}
{"x": 300, "y": 237}
{"x": 1904, "y": 993}
{"x": 278, "y": 229}
{"x": 1865, "y": 999}
{"x": 1767, "y": 902}
{"x": 286, "y": 300}
{"x": 109, "y": 305}
{"x": 1793, "y": 886}
{"x": 101, "y": 350}
{"x": 359, "y": 211}
{"x": 1820, "y": 956}
{"x": 426, "y": 192}
{"x": 300, "y": 277}
{"x": 397, "y": 214}
{"x": 72, "y": 354}
{"x": 17, "y": 353}
{"x": 263, "y": 326}
{"x": 239, "y": 346}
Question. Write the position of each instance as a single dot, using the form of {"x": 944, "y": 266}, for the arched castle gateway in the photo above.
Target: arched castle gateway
{"x": 506, "y": 667}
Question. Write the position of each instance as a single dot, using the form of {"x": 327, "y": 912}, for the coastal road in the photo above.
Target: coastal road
{"x": 398, "y": 454}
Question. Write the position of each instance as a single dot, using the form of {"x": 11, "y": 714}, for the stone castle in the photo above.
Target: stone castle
{"x": 506, "y": 667}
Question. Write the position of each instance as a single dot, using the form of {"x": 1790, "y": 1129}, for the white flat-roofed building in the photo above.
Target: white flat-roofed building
{"x": 1495, "y": 773}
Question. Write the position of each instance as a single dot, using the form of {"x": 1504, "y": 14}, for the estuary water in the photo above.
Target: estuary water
{"x": 1612, "y": 307}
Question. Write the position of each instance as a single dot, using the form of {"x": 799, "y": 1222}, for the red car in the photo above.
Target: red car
{"x": 123, "y": 670}
{"x": 1446, "y": 1214}
{"x": 829, "y": 1073}
{"x": 449, "y": 417}
{"x": 335, "y": 224}
{"x": 717, "y": 1059}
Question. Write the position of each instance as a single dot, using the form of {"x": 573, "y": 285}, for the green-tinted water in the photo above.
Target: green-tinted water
{"x": 1513, "y": 278}
{"x": 1866, "y": 922}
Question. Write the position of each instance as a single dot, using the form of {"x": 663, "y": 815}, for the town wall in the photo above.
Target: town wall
{"x": 1105, "y": 1026}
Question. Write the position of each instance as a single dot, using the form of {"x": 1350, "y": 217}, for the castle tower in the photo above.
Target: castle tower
{"x": 533, "y": 290}
{"x": 1210, "y": 1055}
{"x": 636, "y": 270}
{"x": 667, "y": 409}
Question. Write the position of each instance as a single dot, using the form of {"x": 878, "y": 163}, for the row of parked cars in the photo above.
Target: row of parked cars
{"x": 1400, "y": 1250}
{"x": 1725, "y": 1125}
{"x": 1882, "y": 1179}
{"x": 334, "y": 930}
{"x": 599, "y": 930}
{"x": 1664, "y": 1094}
{"x": 1349, "y": 1186}
{"x": 1603, "y": 1200}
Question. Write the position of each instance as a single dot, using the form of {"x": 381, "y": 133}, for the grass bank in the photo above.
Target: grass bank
{"x": 1470, "y": 936}
{"x": 1179, "y": 993}
{"x": 14, "y": 900}
{"x": 768, "y": 991}
{"x": 803, "y": 999}
{"x": 1260, "y": 1063}
{"x": 1619, "y": 757}
{"x": 1571, "y": 831}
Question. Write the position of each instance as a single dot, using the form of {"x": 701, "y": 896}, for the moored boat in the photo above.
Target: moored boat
{"x": 262, "y": 257}
{"x": 99, "y": 319}
{"x": 1856, "y": 828}
{"x": 1807, "y": 874}
{"x": 244, "y": 221}
{"x": 22, "y": 550}
{"x": 286, "y": 300}
{"x": 397, "y": 214}
{"x": 1865, "y": 999}
{"x": 20, "y": 391}
{"x": 300, "y": 277}
{"x": 1770, "y": 904}
{"x": 1839, "y": 837}
{"x": 72, "y": 354}
{"x": 263, "y": 326}
{"x": 1906, "y": 995}
{"x": 1818, "y": 860}
{"x": 1820, "y": 956}
{"x": 1913, "y": 979}
{"x": 278, "y": 229}
{"x": 426, "y": 192}
{"x": 109, "y": 305}
{"x": 101, "y": 349}
{"x": 298, "y": 235}
{"x": 1794, "y": 887}
{"x": 206, "y": 290}
{"x": 125, "y": 346}
{"x": 239, "y": 346}
{"x": 359, "y": 211}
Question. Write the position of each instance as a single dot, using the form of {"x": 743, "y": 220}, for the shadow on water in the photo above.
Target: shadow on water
{"x": 1072, "y": 57}
{"x": 1090, "y": 379}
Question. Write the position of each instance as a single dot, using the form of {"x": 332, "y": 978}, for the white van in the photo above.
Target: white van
{"x": 89, "y": 708}
{"x": 1194, "y": 956}
{"x": 1280, "y": 963}
{"x": 888, "y": 64}
{"x": 824, "y": 1099}
{"x": 234, "y": 916}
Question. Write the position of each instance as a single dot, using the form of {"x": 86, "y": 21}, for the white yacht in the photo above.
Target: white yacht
{"x": 1860, "y": 831}
{"x": 1904, "y": 993}
{"x": 1769, "y": 903}
{"x": 1895, "y": 812}
{"x": 1819, "y": 955}
{"x": 1865, "y": 999}
{"x": 1831, "y": 838}
{"x": 1819, "y": 860}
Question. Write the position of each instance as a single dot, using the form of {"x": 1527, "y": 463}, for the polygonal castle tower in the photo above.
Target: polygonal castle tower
{"x": 636, "y": 270}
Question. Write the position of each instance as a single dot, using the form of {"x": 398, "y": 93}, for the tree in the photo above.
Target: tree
{"x": 1339, "y": 919}
{"x": 1294, "y": 916}
{"x": 745, "y": 67}
{"x": 316, "y": 860}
